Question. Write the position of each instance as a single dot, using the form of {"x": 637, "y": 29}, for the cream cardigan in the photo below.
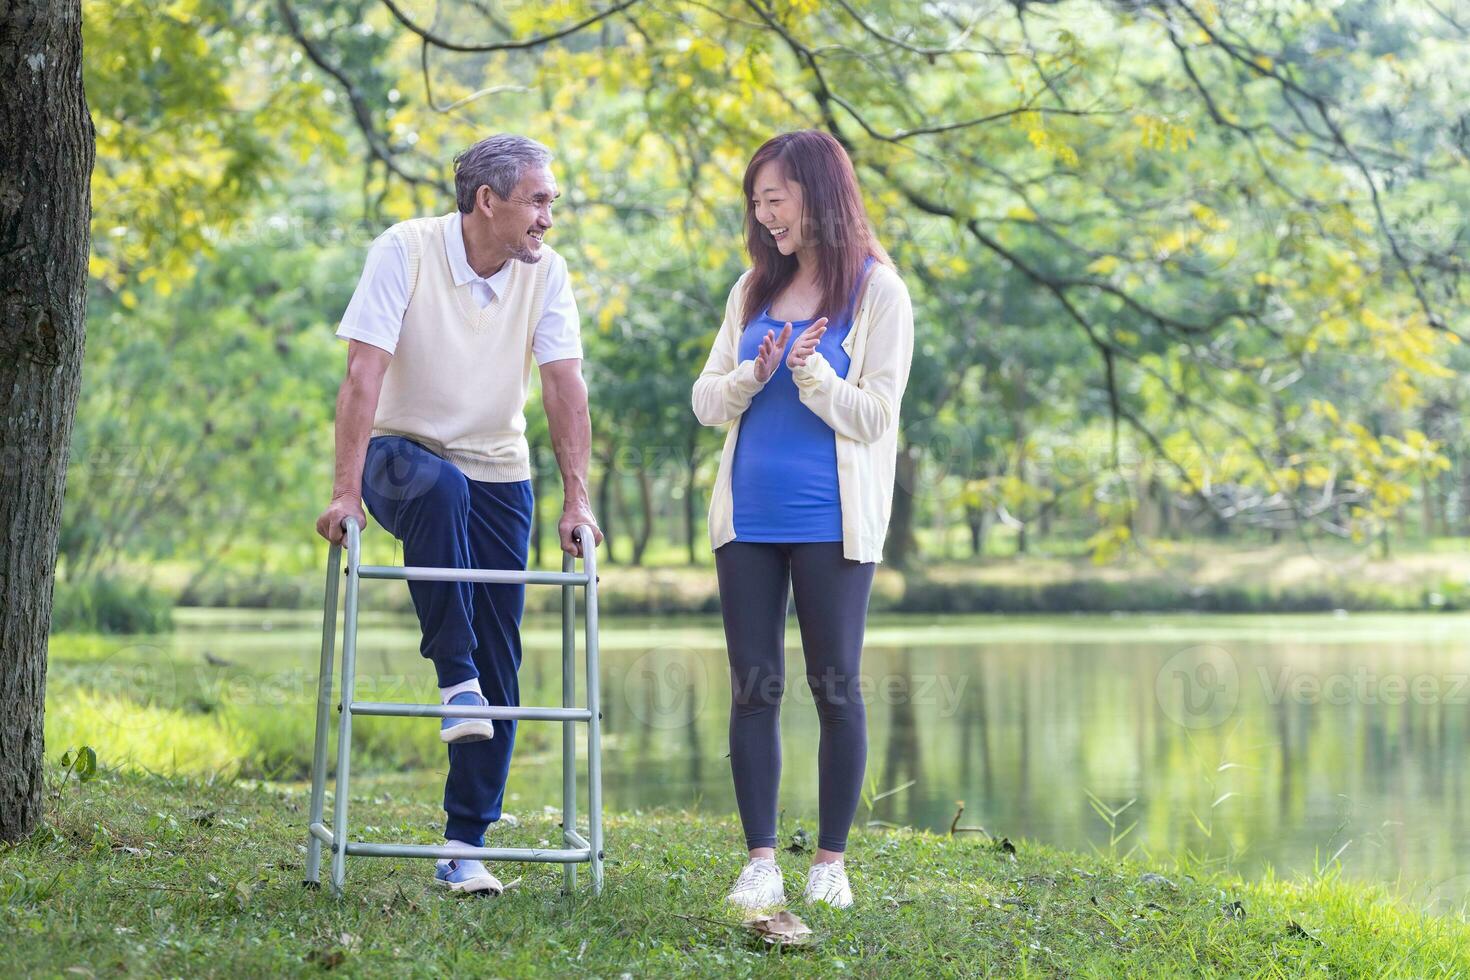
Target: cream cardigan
{"x": 861, "y": 409}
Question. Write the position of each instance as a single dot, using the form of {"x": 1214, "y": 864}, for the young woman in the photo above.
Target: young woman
{"x": 808, "y": 368}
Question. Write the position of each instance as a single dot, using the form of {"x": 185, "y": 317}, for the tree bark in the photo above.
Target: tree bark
{"x": 645, "y": 504}
{"x": 691, "y": 510}
{"x": 899, "y": 549}
{"x": 46, "y": 151}
{"x": 605, "y": 519}
{"x": 1464, "y": 462}
{"x": 536, "y": 458}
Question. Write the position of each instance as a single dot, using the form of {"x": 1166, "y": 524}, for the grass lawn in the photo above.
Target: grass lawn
{"x": 141, "y": 874}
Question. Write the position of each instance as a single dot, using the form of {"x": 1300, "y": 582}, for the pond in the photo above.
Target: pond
{"x": 1281, "y": 742}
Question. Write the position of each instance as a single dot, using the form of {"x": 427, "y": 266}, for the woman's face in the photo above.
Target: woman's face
{"x": 777, "y": 203}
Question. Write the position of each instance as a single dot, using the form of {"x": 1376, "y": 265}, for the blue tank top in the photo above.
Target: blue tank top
{"x": 784, "y": 477}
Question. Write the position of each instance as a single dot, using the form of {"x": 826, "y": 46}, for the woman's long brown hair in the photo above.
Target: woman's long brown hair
{"x": 833, "y": 218}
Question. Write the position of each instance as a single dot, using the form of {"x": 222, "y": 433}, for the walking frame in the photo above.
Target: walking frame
{"x": 579, "y": 849}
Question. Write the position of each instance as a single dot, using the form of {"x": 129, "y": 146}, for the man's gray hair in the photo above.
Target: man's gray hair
{"x": 496, "y": 162}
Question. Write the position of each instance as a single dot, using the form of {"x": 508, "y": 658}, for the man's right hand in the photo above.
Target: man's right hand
{"x": 329, "y": 525}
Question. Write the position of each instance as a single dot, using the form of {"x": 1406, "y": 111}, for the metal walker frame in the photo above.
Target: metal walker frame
{"x": 581, "y": 850}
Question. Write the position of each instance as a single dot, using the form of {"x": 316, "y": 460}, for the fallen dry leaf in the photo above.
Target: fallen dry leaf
{"x": 780, "y": 929}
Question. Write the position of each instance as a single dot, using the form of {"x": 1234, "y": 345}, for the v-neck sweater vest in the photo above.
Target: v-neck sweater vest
{"x": 460, "y": 375}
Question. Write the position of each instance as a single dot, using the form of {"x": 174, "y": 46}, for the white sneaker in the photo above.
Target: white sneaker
{"x": 470, "y": 877}
{"x": 759, "y": 885}
{"x": 827, "y": 882}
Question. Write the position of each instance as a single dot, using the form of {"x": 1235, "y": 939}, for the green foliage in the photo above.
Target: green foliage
{"x": 190, "y": 126}
{"x": 83, "y": 765}
{"x": 109, "y": 604}
{"x": 1182, "y": 296}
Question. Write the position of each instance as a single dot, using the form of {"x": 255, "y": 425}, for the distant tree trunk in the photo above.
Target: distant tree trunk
{"x": 605, "y": 519}
{"x": 1023, "y": 540}
{"x": 645, "y": 502}
{"x": 691, "y": 511}
{"x": 1465, "y": 492}
{"x": 975, "y": 519}
{"x": 536, "y": 458}
{"x": 1428, "y": 486}
{"x": 899, "y": 549}
{"x": 46, "y": 152}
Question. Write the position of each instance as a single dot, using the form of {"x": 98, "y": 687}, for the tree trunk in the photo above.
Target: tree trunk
{"x": 1465, "y": 491}
{"x": 691, "y": 511}
{"x": 536, "y": 458}
{"x": 46, "y": 150}
{"x": 1427, "y": 489}
{"x": 974, "y": 521}
{"x": 900, "y": 546}
{"x": 605, "y": 519}
{"x": 645, "y": 506}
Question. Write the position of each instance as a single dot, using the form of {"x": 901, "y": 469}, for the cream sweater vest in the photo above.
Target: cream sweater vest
{"x": 460, "y": 375}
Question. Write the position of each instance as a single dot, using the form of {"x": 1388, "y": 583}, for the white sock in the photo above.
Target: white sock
{"x": 445, "y": 693}
{"x": 461, "y": 843}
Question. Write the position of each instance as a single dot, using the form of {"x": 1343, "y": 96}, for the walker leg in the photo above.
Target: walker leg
{"x": 568, "y": 728}
{"x": 344, "y": 728}
{"x": 323, "y": 706}
{"x": 594, "y": 705}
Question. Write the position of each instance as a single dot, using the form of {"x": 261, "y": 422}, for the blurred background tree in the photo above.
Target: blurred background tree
{"x": 1182, "y": 269}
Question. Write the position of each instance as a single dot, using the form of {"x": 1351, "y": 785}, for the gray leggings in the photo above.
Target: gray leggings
{"x": 831, "y": 607}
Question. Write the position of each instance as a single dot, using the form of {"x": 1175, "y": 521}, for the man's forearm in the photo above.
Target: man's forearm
{"x": 571, "y": 436}
{"x": 356, "y": 405}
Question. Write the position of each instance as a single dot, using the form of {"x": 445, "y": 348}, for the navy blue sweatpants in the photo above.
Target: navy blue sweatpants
{"x": 469, "y": 629}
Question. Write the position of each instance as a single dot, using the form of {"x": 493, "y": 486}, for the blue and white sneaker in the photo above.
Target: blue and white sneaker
{"x": 469, "y": 877}
{"x": 466, "y": 729}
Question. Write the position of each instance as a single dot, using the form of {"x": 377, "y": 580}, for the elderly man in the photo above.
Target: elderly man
{"x": 442, "y": 329}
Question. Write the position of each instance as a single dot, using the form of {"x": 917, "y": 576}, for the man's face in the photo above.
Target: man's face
{"x": 518, "y": 224}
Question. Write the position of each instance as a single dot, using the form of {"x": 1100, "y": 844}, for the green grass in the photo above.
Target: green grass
{"x": 142, "y": 874}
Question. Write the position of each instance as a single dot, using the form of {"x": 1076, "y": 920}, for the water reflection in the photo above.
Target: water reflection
{"x": 1265, "y": 741}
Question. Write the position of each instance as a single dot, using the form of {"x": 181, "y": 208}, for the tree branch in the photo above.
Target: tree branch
{"x": 440, "y": 41}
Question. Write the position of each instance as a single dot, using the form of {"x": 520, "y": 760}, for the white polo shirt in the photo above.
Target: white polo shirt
{"x": 375, "y": 314}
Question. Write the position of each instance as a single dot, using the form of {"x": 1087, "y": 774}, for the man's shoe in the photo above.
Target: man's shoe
{"x": 469, "y": 877}
{"x": 466, "y": 729}
{"x": 759, "y": 885}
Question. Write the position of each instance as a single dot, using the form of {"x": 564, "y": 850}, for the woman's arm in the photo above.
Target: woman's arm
{"x": 725, "y": 387}
{"x": 865, "y": 409}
